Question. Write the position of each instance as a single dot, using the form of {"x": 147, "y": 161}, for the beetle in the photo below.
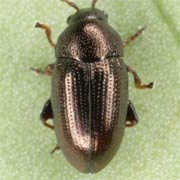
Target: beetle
{"x": 89, "y": 98}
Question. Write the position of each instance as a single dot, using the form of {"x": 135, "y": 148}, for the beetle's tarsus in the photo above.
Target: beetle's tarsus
{"x": 144, "y": 86}
{"x": 47, "y": 32}
{"x": 134, "y": 36}
{"x": 137, "y": 80}
{"x": 38, "y": 25}
{"x": 150, "y": 85}
{"x": 48, "y": 70}
{"x": 38, "y": 71}
{"x": 44, "y": 121}
{"x": 55, "y": 149}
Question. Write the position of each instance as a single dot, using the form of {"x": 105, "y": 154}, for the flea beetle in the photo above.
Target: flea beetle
{"x": 89, "y": 101}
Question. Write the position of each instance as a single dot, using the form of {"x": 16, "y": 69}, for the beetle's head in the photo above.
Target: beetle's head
{"x": 88, "y": 13}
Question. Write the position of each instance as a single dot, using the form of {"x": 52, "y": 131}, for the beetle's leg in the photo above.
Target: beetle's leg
{"x": 134, "y": 36}
{"x": 137, "y": 80}
{"x": 48, "y": 70}
{"x": 47, "y": 31}
{"x": 55, "y": 149}
{"x": 131, "y": 117}
{"x": 47, "y": 114}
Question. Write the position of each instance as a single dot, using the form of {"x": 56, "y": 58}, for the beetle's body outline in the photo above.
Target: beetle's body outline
{"x": 89, "y": 98}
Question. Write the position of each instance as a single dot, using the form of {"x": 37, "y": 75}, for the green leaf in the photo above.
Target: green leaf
{"x": 149, "y": 151}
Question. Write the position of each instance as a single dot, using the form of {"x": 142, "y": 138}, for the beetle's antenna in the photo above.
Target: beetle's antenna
{"x": 94, "y": 3}
{"x": 71, "y": 4}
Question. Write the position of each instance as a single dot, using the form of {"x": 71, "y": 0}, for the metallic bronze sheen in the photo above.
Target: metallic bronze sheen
{"x": 89, "y": 91}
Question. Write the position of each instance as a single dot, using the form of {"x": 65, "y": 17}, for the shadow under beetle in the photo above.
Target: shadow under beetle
{"x": 89, "y": 98}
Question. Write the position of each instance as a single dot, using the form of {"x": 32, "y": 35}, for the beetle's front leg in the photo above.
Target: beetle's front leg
{"x": 47, "y": 114}
{"x": 131, "y": 117}
{"x": 47, "y": 30}
{"x": 134, "y": 36}
{"x": 137, "y": 80}
{"x": 47, "y": 71}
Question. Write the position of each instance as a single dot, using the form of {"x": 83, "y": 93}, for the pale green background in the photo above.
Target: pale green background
{"x": 150, "y": 151}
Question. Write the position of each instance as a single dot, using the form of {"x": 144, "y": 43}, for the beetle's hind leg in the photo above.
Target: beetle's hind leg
{"x": 55, "y": 149}
{"x": 137, "y": 80}
{"x": 134, "y": 36}
{"x": 47, "y": 114}
{"x": 131, "y": 117}
{"x": 47, "y": 32}
{"x": 47, "y": 71}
